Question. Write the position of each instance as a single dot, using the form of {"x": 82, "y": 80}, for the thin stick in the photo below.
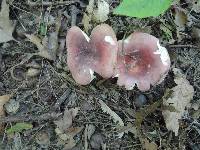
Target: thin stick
{"x": 46, "y": 116}
{"x": 183, "y": 46}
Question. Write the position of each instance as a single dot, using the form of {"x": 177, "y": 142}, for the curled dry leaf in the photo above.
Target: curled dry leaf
{"x": 67, "y": 138}
{"x": 6, "y": 26}
{"x": 47, "y": 46}
{"x": 43, "y": 50}
{"x": 180, "y": 97}
{"x": 149, "y": 145}
{"x": 3, "y": 100}
{"x": 180, "y": 21}
{"x": 114, "y": 116}
{"x": 64, "y": 123}
{"x": 64, "y": 130}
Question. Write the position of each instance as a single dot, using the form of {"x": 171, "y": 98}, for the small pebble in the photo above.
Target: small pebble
{"x": 12, "y": 106}
{"x": 97, "y": 141}
{"x": 140, "y": 100}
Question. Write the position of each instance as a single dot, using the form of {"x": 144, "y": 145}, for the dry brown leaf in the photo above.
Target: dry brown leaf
{"x": 47, "y": 46}
{"x": 149, "y": 145}
{"x": 43, "y": 49}
{"x": 181, "y": 96}
{"x": 3, "y": 100}
{"x": 66, "y": 121}
{"x": 6, "y": 25}
{"x": 128, "y": 128}
{"x": 67, "y": 138}
{"x": 180, "y": 21}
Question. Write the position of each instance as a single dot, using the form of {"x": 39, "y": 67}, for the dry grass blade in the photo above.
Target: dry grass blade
{"x": 6, "y": 25}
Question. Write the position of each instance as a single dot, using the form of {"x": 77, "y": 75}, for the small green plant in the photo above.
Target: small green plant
{"x": 142, "y": 8}
{"x": 19, "y": 127}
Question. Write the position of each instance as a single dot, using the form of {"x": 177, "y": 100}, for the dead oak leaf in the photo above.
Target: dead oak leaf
{"x": 67, "y": 138}
{"x": 6, "y": 25}
{"x": 66, "y": 121}
{"x": 180, "y": 97}
{"x": 149, "y": 145}
{"x": 3, "y": 100}
{"x": 41, "y": 45}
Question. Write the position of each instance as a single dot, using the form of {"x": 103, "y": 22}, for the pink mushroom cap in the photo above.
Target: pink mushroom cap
{"x": 142, "y": 61}
{"x": 88, "y": 55}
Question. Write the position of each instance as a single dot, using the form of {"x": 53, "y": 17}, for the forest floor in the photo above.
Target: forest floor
{"x": 41, "y": 106}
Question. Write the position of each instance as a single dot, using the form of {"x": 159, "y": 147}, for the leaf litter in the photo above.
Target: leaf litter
{"x": 64, "y": 129}
{"x": 3, "y": 100}
{"x": 100, "y": 128}
{"x": 6, "y": 25}
{"x": 181, "y": 96}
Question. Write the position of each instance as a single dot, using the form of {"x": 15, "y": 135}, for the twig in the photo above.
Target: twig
{"x": 46, "y": 116}
{"x": 43, "y": 3}
{"x": 183, "y": 46}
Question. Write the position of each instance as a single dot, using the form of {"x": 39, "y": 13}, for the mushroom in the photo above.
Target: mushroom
{"x": 88, "y": 55}
{"x": 141, "y": 61}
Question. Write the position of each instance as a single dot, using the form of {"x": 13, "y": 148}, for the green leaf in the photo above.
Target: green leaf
{"x": 43, "y": 29}
{"x": 18, "y": 127}
{"x": 142, "y": 8}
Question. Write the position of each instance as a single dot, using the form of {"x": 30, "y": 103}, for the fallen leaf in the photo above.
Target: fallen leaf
{"x": 180, "y": 97}
{"x": 67, "y": 138}
{"x": 43, "y": 139}
{"x": 6, "y": 25}
{"x": 43, "y": 49}
{"x": 114, "y": 116}
{"x": 180, "y": 21}
{"x": 47, "y": 46}
{"x": 101, "y": 14}
{"x": 3, "y": 100}
{"x": 196, "y": 32}
{"x": 66, "y": 121}
{"x": 149, "y": 145}
{"x": 128, "y": 128}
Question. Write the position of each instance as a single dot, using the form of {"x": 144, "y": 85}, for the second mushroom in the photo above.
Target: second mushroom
{"x": 142, "y": 61}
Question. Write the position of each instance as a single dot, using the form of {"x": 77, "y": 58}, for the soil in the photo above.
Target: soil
{"x": 41, "y": 96}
